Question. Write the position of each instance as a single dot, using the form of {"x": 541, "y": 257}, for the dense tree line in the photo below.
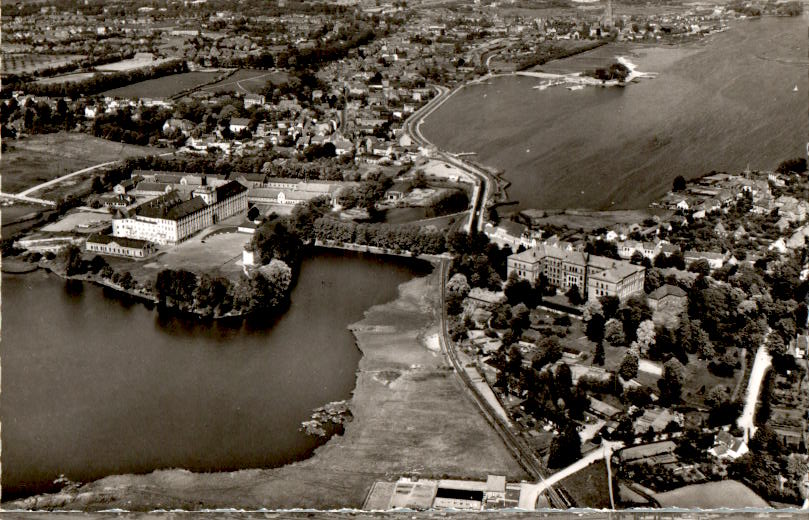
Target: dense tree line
{"x": 448, "y": 203}
{"x": 414, "y": 239}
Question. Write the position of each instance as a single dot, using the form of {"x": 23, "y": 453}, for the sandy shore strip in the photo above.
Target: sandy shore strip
{"x": 411, "y": 414}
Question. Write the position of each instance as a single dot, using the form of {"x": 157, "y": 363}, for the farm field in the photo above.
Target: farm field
{"x": 245, "y": 81}
{"x": 711, "y": 495}
{"x": 66, "y": 78}
{"x": 28, "y": 63}
{"x": 34, "y": 160}
{"x": 131, "y": 64}
{"x": 164, "y": 87}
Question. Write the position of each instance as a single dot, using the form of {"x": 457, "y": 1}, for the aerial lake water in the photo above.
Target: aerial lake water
{"x": 96, "y": 385}
{"x": 718, "y": 105}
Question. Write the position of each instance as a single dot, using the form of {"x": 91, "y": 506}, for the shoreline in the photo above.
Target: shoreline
{"x": 399, "y": 383}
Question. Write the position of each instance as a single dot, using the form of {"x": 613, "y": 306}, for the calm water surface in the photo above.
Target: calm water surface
{"x": 93, "y": 385}
{"x": 719, "y": 104}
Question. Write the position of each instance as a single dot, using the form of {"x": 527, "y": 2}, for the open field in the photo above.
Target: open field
{"x": 163, "y": 87}
{"x": 131, "y": 64}
{"x": 29, "y": 63}
{"x": 36, "y": 159}
{"x": 586, "y": 220}
{"x": 66, "y": 78}
{"x": 78, "y": 219}
{"x": 216, "y": 253}
{"x": 727, "y": 493}
{"x": 589, "y": 486}
{"x": 414, "y": 419}
{"x": 245, "y": 81}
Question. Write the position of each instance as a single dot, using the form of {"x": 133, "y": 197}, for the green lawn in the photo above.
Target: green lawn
{"x": 39, "y": 158}
{"x": 727, "y": 493}
{"x": 247, "y": 80}
{"x": 164, "y": 87}
{"x": 589, "y": 486}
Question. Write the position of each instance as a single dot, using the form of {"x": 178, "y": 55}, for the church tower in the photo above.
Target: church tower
{"x": 607, "y": 22}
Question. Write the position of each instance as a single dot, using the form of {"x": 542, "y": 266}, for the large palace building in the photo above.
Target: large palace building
{"x": 170, "y": 219}
{"x": 594, "y": 276}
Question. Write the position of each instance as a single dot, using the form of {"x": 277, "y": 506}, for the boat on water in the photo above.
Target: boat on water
{"x": 795, "y": 89}
{"x": 575, "y": 87}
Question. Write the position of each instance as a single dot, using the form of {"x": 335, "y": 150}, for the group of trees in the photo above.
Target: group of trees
{"x": 764, "y": 464}
{"x": 616, "y": 70}
{"x": 449, "y": 202}
{"x": 266, "y": 290}
{"x": 415, "y": 239}
{"x": 332, "y": 50}
{"x": 38, "y": 117}
{"x": 482, "y": 262}
{"x": 367, "y": 194}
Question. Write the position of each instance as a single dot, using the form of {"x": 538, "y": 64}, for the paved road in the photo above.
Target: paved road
{"x": 63, "y": 178}
{"x": 27, "y": 199}
{"x": 25, "y": 195}
{"x": 531, "y": 492}
{"x": 761, "y": 363}
{"x": 482, "y": 191}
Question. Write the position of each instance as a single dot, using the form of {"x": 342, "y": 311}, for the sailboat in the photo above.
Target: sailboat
{"x": 795, "y": 89}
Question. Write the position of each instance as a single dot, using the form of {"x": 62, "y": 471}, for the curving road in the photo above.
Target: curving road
{"x": 531, "y": 492}
{"x": 482, "y": 192}
{"x": 25, "y": 195}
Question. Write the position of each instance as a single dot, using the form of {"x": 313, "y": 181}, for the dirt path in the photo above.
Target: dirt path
{"x": 410, "y": 414}
{"x": 761, "y": 363}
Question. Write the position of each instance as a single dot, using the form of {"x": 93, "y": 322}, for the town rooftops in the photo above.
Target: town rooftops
{"x": 239, "y": 121}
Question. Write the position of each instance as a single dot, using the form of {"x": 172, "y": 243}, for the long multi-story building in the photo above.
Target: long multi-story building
{"x": 170, "y": 219}
{"x": 594, "y": 276}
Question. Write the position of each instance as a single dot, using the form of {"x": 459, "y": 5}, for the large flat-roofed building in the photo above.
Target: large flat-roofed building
{"x": 594, "y": 276}
{"x": 170, "y": 219}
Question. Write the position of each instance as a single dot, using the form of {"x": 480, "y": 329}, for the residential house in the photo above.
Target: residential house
{"x": 398, "y": 191}
{"x": 253, "y": 100}
{"x": 715, "y": 260}
{"x": 238, "y": 124}
{"x": 726, "y": 446}
{"x": 667, "y": 297}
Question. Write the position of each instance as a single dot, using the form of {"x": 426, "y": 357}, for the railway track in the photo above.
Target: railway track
{"x": 521, "y": 452}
